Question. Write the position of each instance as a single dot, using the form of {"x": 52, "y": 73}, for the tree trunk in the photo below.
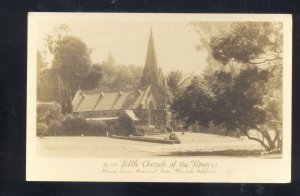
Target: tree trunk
{"x": 276, "y": 143}
{"x": 267, "y": 136}
{"x": 277, "y": 140}
{"x": 267, "y": 148}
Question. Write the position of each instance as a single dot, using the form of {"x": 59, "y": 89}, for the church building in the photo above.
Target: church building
{"x": 145, "y": 105}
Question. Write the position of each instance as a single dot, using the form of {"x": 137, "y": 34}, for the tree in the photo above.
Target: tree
{"x": 205, "y": 31}
{"x": 193, "y": 102}
{"x": 91, "y": 79}
{"x": 62, "y": 95}
{"x": 229, "y": 43}
{"x": 249, "y": 43}
{"x": 72, "y": 61}
{"x": 117, "y": 76}
{"x": 248, "y": 99}
{"x": 258, "y": 44}
{"x": 46, "y": 85}
{"x": 174, "y": 81}
{"x": 41, "y": 63}
{"x": 235, "y": 102}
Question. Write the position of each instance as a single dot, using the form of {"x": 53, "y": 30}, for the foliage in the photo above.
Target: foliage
{"x": 258, "y": 44}
{"x": 75, "y": 125}
{"x": 55, "y": 128}
{"x": 97, "y": 128}
{"x": 91, "y": 78}
{"x": 73, "y": 64}
{"x": 235, "y": 102}
{"x": 126, "y": 125}
{"x": 195, "y": 100}
{"x": 174, "y": 81}
{"x": 46, "y": 86}
{"x": 48, "y": 112}
{"x": 51, "y": 87}
{"x": 145, "y": 130}
{"x": 246, "y": 42}
{"x": 119, "y": 76}
{"x": 70, "y": 69}
{"x": 169, "y": 129}
{"x": 41, "y": 63}
{"x": 63, "y": 95}
{"x": 41, "y": 129}
{"x": 229, "y": 43}
{"x": 47, "y": 115}
{"x": 246, "y": 96}
{"x": 205, "y": 32}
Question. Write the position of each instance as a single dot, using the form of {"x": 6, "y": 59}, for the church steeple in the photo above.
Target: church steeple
{"x": 150, "y": 72}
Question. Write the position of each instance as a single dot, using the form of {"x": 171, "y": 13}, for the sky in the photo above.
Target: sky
{"x": 175, "y": 42}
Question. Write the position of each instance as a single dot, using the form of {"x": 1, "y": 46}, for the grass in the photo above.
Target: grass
{"x": 193, "y": 144}
{"x": 230, "y": 153}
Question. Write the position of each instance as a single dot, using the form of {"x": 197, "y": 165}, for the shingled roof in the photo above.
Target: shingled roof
{"x": 97, "y": 100}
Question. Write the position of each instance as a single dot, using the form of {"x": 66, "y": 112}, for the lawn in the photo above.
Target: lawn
{"x": 193, "y": 144}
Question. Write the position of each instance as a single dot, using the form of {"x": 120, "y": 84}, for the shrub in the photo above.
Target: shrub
{"x": 169, "y": 129}
{"x": 96, "y": 128}
{"x": 47, "y": 112}
{"x": 41, "y": 129}
{"x": 142, "y": 129}
{"x": 55, "y": 128}
{"x": 48, "y": 116}
{"x": 127, "y": 126}
{"x": 145, "y": 130}
{"x": 73, "y": 125}
{"x": 139, "y": 131}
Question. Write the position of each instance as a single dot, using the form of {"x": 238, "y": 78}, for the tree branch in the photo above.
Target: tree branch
{"x": 276, "y": 55}
{"x": 256, "y": 139}
{"x": 274, "y": 67}
{"x": 265, "y": 60}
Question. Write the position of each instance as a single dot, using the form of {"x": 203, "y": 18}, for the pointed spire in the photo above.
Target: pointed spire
{"x": 150, "y": 72}
{"x": 151, "y": 55}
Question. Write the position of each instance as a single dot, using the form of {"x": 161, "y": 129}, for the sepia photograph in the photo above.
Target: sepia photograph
{"x": 148, "y": 97}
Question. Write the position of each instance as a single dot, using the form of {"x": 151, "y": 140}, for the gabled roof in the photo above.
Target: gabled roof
{"x": 97, "y": 100}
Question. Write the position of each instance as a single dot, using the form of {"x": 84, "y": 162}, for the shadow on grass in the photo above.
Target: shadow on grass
{"x": 228, "y": 153}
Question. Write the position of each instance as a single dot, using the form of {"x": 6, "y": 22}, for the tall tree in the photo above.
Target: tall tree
{"x": 118, "y": 76}
{"x": 72, "y": 61}
{"x": 45, "y": 80}
{"x": 236, "y": 102}
{"x": 41, "y": 63}
{"x": 249, "y": 99}
{"x": 257, "y": 44}
{"x": 249, "y": 43}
